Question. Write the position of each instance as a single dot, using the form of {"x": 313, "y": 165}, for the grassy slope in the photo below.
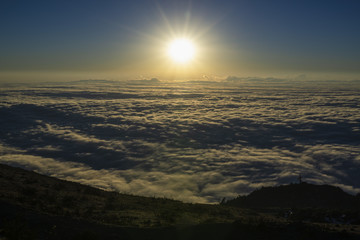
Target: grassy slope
{"x": 62, "y": 198}
{"x": 33, "y": 206}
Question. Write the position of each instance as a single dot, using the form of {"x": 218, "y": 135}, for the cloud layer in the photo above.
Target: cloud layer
{"x": 193, "y": 142}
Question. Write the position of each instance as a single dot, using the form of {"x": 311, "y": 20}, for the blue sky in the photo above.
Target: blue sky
{"x": 125, "y": 38}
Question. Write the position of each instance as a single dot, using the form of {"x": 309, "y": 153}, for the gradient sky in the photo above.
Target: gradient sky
{"x": 128, "y": 39}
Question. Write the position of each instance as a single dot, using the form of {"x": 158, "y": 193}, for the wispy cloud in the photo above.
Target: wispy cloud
{"x": 194, "y": 143}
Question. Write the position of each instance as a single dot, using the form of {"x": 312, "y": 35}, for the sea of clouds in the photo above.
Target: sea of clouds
{"x": 192, "y": 141}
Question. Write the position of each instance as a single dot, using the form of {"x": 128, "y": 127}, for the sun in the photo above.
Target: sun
{"x": 181, "y": 50}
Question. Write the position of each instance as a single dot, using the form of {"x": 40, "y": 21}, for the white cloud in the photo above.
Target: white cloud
{"x": 197, "y": 143}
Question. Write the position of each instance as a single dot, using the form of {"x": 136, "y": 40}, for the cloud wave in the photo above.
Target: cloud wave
{"x": 196, "y": 143}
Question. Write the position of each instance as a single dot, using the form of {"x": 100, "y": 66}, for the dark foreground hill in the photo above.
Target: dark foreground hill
{"x": 33, "y": 206}
{"x": 63, "y": 198}
{"x": 301, "y": 195}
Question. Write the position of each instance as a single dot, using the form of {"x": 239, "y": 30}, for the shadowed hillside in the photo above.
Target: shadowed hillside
{"x": 298, "y": 195}
{"x": 33, "y": 206}
{"x": 63, "y": 198}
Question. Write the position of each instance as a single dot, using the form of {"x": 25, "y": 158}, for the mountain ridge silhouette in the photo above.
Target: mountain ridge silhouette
{"x": 302, "y": 195}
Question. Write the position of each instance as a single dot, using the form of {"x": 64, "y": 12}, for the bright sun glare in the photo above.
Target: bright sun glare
{"x": 181, "y": 50}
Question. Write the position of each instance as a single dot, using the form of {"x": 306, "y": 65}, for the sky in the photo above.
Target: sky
{"x": 52, "y": 40}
